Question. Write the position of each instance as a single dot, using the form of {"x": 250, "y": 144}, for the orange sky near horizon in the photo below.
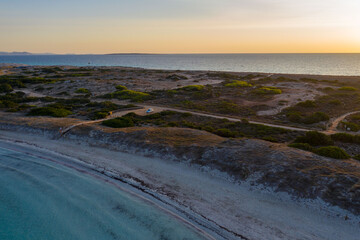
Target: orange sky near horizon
{"x": 182, "y": 26}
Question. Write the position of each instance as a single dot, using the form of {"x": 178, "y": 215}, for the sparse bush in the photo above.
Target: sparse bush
{"x": 238, "y": 83}
{"x": 357, "y": 157}
{"x": 335, "y": 102}
{"x": 332, "y": 152}
{"x": 315, "y": 118}
{"x": 223, "y": 132}
{"x": 129, "y": 94}
{"x": 346, "y": 138}
{"x": 347, "y": 89}
{"x": 99, "y": 115}
{"x": 307, "y": 104}
{"x": 49, "y": 111}
{"x": 294, "y": 117}
{"x": 315, "y": 139}
{"x": 193, "y": 88}
{"x": 82, "y": 90}
{"x": 120, "y": 87}
{"x": 350, "y": 126}
{"x": 121, "y": 122}
{"x": 5, "y": 88}
{"x": 267, "y": 91}
{"x": 303, "y": 146}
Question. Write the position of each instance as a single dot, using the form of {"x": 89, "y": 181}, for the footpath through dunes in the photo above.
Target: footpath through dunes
{"x": 155, "y": 109}
{"x": 284, "y": 193}
{"x": 334, "y": 124}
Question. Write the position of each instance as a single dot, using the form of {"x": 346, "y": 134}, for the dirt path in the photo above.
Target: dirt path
{"x": 114, "y": 115}
{"x": 159, "y": 109}
{"x": 332, "y": 129}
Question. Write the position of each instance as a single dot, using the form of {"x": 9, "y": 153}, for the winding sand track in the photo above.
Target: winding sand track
{"x": 332, "y": 129}
{"x": 156, "y": 109}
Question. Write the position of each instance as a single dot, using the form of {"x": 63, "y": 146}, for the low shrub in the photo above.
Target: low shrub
{"x": 303, "y": 146}
{"x": 82, "y": 90}
{"x": 223, "y": 132}
{"x": 192, "y": 88}
{"x": 332, "y": 152}
{"x": 307, "y": 104}
{"x": 315, "y": 139}
{"x": 99, "y": 115}
{"x": 347, "y": 89}
{"x": 357, "y": 157}
{"x": 121, "y": 122}
{"x": 346, "y": 138}
{"x": 267, "y": 90}
{"x": 238, "y": 83}
{"x": 120, "y": 87}
{"x": 349, "y": 126}
{"x": 49, "y": 111}
{"x": 129, "y": 94}
{"x": 5, "y": 88}
{"x": 294, "y": 117}
{"x": 315, "y": 118}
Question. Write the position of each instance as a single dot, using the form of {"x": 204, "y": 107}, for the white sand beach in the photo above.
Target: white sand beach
{"x": 227, "y": 210}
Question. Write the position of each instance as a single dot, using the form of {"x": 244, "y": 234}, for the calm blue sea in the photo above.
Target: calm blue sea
{"x": 323, "y": 64}
{"x": 40, "y": 199}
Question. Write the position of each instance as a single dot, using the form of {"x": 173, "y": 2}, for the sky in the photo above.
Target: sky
{"x": 180, "y": 26}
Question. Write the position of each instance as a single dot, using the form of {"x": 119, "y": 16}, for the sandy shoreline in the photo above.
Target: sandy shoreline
{"x": 230, "y": 209}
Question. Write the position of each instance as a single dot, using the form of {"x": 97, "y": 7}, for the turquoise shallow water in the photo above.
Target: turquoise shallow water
{"x": 40, "y": 199}
{"x": 324, "y": 64}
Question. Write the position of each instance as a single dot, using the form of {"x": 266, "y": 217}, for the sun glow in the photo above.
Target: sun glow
{"x": 181, "y": 26}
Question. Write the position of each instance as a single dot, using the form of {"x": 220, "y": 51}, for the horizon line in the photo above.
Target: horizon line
{"x": 140, "y": 53}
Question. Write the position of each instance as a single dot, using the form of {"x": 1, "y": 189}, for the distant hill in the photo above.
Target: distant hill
{"x": 23, "y": 53}
{"x": 131, "y": 54}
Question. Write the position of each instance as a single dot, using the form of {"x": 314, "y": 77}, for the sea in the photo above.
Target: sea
{"x": 42, "y": 199}
{"x": 319, "y": 64}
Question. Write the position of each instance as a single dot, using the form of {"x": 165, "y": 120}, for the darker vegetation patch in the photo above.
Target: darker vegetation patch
{"x": 49, "y": 111}
{"x": 221, "y": 127}
{"x": 322, "y": 144}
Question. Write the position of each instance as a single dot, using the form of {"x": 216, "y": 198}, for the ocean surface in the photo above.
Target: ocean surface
{"x": 40, "y": 199}
{"x": 323, "y": 64}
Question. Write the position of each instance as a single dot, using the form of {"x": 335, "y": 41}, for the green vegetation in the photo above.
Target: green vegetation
{"x": 120, "y": 87}
{"x": 192, "y": 88}
{"x": 238, "y": 83}
{"x": 298, "y": 117}
{"x": 129, "y": 94}
{"x": 314, "y": 138}
{"x": 357, "y": 157}
{"x": 49, "y": 111}
{"x": 221, "y": 127}
{"x": 307, "y": 104}
{"x": 121, "y": 122}
{"x": 332, "y": 152}
{"x": 303, "y": 146}
{"x": 82, "y": 90}
{"x": 346, "y": 138}
{"x": 347, "y": 89}
{"x": 5, "y": 88}
{"x": 349, "y": 126}
{"x": 322, "y": 108}
{"x": 267, "y": 91}
{"x": 315, "y": 118}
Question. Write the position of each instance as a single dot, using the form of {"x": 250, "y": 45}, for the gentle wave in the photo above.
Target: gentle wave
{"x": 322, "y": 64}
